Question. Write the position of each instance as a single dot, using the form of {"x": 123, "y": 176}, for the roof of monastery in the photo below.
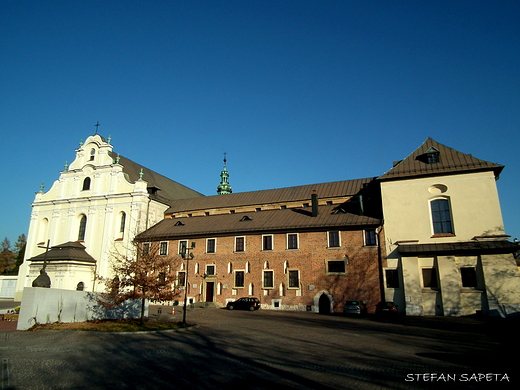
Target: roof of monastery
{"x": 297, "y": 219}
{"x": 69, "y": 251}
{"x": 445, "y": 160}
{"x": 279, "y": 195}
{"x": 169, "y": 189}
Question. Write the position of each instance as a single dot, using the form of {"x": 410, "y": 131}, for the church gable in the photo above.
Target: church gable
{"x": 433, "y": 158}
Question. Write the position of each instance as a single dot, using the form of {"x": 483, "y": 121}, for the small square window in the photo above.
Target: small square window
{"x": 468, "y": 276}
{"x": 210, "y": 270}
{"x": 336, "y": 266}
{"x": 392, "y": 278}
{"x": 430, "y": 278}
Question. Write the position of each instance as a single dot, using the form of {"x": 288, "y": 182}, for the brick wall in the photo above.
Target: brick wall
{"x": 359, "y": 281}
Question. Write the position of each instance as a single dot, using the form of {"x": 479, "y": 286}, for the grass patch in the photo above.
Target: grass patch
{"x": 126, "y": 325}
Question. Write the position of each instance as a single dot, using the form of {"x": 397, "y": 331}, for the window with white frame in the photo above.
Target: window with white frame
{"x": 239, "y": 279}
{"x": 333, "y": 239}
{"x": 240, "y": 244}
{"x": 211, "y": 245}
{"x": 293, "y": 278}
{"x": 292, "y": 240}
{"x": 210, "y": 270}
{"x": 268, "y": 278}
{"x": 370, "y": 237}
{"x": 163, "y": 248}
{"x": 181, "y": 278}
{"x": 183, "y": 244}
{"x": 441, "y": 216}
{"x": 336, "y": 266}
{"x": 267, "y": 242}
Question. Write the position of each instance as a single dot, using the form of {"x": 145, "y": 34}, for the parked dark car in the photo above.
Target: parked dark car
{"x": 386, "y": 309}
{"x": 354, "y": 307}
{"x": 244, "y": 304}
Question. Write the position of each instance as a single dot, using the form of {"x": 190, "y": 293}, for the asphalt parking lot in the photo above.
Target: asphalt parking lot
{"x": 267, "y": 349}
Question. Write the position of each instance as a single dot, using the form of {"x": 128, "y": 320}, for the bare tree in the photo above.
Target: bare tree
{"x": 143, "y": 272}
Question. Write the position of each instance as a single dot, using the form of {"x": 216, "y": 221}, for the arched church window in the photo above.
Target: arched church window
{"x": 92, "y": 154}
{"x": 123, "y": 221}
{"x": 82, "y": 228}
{"x": 86, "y": 184}
{"x": 80, "y": 286}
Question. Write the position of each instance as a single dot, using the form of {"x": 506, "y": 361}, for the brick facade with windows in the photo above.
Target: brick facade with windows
{"x": 290, "y": 258}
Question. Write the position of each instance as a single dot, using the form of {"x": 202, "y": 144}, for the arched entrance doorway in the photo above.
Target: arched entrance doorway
{"x": 324, "y": 304}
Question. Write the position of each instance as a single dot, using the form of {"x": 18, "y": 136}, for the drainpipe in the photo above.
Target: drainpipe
{"x": 380, "y": 263}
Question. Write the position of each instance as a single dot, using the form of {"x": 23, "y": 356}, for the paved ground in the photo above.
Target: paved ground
{"x": 266, "y": 350}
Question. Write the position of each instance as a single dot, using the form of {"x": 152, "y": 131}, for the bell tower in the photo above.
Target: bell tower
{"x": 224, "y": 187}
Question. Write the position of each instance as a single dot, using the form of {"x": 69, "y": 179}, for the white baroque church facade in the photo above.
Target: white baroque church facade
{"x": 97, "y": 206}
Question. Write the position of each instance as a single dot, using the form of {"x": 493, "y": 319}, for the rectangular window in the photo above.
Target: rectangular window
{"x": 239, "y": 279}
{"x": 268, "y": 279}
{"x": 292, "y": 241}
{"x": 210, "y": 270}
{"x": 146, "y": 248}
{"x": 333, "y": 239}
{"x": 370, "y": 237}
{"x": 240, "y": 244}
{"x": 210, "y": 245}
{"x": 294, "y": 278}
{"x": 441, "y": 216}
{"x": 183, "y": 244}
{"x": 181, "y": 279}
{"x": 267, "y": 243}
{"x": 336, "y": 266}
{"x": 469, "y": 277}
{"x": 163, "y": 248}
{"x": 430, "y": 278}
{"x": 392, "y": 278}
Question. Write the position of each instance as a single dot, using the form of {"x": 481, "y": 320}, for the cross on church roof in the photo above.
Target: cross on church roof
{"x": 96, "y": 126}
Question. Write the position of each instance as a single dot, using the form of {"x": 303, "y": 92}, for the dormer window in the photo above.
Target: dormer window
{"x": 432, "y": 155}
{"x": 92, "y": 154}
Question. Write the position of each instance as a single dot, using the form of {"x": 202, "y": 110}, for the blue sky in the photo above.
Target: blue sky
{"x": 296, "y": 92}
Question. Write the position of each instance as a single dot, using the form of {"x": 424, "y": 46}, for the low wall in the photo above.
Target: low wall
{"x": 48, "y": 305}
{"x": 7, "y": 285}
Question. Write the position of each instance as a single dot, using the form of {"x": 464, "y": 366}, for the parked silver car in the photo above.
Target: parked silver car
{"x": 354, "y": 307}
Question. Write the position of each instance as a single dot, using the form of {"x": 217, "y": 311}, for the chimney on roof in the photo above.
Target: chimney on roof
{"x": 314, "y": 198}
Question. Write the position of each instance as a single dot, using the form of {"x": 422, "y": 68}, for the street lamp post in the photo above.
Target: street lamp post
{"x": 185, "y": 253}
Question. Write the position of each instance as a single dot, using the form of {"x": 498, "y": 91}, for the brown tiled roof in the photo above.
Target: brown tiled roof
{"x": 450, "y": 161}
{"x": 168, "y": 189}
{"x": 296, "y": 219}
{"x": 279, "y": 195}
{"x": 69, "y": 251}
{"x": 469, "y": 247}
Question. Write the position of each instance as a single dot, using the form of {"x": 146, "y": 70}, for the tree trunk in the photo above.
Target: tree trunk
{"x": 142, "y": 310}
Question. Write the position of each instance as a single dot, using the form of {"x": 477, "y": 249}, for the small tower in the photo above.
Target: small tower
{"x": 224, "y": 187}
